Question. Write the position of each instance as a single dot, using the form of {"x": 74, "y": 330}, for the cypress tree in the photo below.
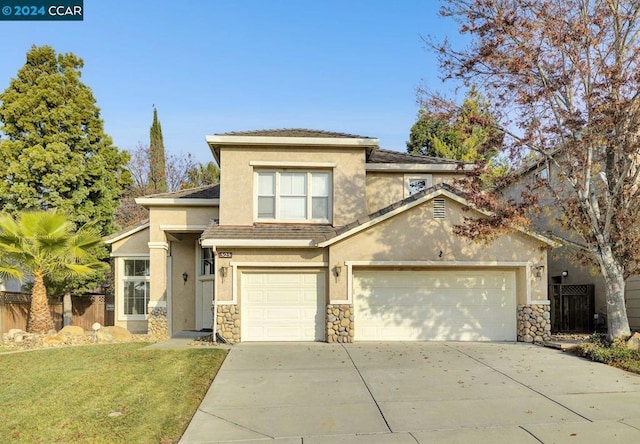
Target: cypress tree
{"x": 157, "y": 168}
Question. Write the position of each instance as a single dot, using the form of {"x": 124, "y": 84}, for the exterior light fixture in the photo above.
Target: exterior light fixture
{"x": 539, "y": 269}
{"x": 185, "y": 276}
{"x": 337, "y": 270}
{"x": 223, "y": 272}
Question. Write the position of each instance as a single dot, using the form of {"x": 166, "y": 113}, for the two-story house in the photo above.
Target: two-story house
{"x": 317, "y": 236}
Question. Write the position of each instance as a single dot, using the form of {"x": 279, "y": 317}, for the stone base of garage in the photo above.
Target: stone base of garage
{"x": 228, "y": 323}
{"x": 340, "y": 323}
{"x": 534, "y": 323}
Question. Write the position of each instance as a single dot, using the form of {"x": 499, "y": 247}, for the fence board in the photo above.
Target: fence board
{"x": 14, "y": 311}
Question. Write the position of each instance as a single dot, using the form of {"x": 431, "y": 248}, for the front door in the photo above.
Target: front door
{"x": 204, "y": 290}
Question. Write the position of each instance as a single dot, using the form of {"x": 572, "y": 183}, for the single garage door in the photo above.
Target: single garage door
{"x": 443, "y": 305}
{"x": 283, "y": 305}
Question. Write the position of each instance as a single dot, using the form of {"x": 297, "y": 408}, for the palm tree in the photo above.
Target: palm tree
{"x": 44, "y": 243}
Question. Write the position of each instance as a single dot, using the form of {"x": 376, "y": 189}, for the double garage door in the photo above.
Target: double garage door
{"x": 389, "y": 305}
{"x": 445, "y": 305}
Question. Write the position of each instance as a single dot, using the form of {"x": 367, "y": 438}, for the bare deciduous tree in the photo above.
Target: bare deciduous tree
{"x": 565, "y": 77}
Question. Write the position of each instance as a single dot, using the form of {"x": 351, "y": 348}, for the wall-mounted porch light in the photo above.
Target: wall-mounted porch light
{"x": 185, "y": 276}
{"x": 337, "y": 270}
{"x": 538, "y": 270}
{"x": 223, "y": 272}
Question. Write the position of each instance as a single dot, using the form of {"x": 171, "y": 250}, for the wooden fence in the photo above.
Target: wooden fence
{"x": 14, "y": 311}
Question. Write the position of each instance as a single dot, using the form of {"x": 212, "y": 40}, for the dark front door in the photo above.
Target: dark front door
{"x": 572, "y": 308}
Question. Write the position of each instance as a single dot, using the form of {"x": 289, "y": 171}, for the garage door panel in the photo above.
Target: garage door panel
{"x": 435, "y": 305}
{"x": 283, "y": 306}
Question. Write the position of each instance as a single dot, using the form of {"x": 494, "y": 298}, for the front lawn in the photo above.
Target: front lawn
{"x": 113, "y": 393}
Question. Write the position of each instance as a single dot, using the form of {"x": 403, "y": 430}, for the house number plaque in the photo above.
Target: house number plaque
{"x": 225, "y": 254}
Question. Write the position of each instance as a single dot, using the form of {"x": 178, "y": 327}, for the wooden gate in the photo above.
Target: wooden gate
{"x": 572, "y": 308}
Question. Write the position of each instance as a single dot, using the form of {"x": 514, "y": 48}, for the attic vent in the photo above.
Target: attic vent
{"x": 438, "y": 209}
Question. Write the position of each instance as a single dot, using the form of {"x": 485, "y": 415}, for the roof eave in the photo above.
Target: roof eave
{"x": 318, "y": 142}
{"x": 175, "y": 202}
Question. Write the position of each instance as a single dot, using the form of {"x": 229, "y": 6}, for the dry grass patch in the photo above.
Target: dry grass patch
{"x": 103, "y": 394}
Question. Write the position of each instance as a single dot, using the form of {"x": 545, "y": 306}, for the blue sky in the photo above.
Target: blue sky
{"x": 213, "y": 66}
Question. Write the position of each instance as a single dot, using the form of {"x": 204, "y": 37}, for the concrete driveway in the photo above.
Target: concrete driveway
{"x": 415, "y": 393}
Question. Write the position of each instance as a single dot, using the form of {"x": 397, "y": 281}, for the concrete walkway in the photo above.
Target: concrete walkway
{"x": 415, "y": 393}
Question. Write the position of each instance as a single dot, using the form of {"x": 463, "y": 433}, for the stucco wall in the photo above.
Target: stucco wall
{"x": 384, "y": 189}
{"x": 137, "y": 243}
{"x": 255, "y": 256}
{"x": 237, "y": 187}
{"x": 415, "y": 235}
{"x": 183, "y": 300}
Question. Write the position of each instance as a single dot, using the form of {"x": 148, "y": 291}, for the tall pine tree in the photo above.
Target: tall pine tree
{"x": 157, "y": 169}
{"x": 54, "y": 152}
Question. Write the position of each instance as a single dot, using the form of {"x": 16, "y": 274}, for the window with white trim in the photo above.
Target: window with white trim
{"x": 207, "y": 262}
{"x": 292, "y": 196}
{"x": 136, "y": 282}
{"x": 416, "y": 183}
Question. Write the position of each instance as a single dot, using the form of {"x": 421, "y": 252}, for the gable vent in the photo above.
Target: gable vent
{"x": 438, "y": 209}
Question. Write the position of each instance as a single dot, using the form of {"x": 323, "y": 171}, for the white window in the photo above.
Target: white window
{"x": 207, "y": 262}
{"x": 135, "y": 289}
{"x": 416, "y": 183}
{"x": 293, "y": 196}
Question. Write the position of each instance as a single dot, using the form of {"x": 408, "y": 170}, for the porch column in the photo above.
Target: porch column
{"x": 157, "y": 325}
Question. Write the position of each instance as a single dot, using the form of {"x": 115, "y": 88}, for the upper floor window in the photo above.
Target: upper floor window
{"x": 416, "y": 183}
{"x": 285, "y": 195}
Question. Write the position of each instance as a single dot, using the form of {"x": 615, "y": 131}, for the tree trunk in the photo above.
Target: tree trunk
{"x": 67, "y": 309}
{"x": 617, "y": 319}
{"x": 39, "y": 316}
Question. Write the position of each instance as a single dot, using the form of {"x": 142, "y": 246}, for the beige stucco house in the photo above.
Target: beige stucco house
{"x": 316, "y": 236}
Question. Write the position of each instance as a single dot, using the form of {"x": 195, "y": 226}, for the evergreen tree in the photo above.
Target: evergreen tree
{"x": 54, "y": 152}
{"x": 157, "y": 168}
{"x": 466, "y": 133}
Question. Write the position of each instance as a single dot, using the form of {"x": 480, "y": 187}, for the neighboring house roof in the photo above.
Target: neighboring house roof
{"x": 294, "y": 132}
{"x": 126, "y": 232}
{"x": 200, "y": 196}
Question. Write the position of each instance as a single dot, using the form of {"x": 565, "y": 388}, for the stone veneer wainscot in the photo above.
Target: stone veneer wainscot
{"x": 157, "y": 326}
{"x": 534, "y": 323}
{"x": 340, "y": 323}
{"x": 228, "y": 323}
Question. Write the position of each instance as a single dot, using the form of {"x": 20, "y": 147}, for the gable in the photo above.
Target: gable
{"x": 419, "y": 234}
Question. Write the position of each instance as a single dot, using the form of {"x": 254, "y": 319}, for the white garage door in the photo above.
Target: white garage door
{"x": 283, "y": 306}
{"x": 443, "y": 305}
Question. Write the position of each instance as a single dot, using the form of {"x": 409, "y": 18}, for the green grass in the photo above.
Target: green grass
{"x": 614, "y": 353}
{"x": 66, "y": 395}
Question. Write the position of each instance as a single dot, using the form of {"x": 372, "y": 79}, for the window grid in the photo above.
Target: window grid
{"x": 296, "y": 196}
{"x": 136, "y": 287}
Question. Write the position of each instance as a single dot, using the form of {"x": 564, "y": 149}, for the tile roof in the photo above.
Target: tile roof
{"x": 387, "y": 156}
{"x": 268, "y": 231}
{"x": 293, "y": 132}
{"x": 203, "y": 192}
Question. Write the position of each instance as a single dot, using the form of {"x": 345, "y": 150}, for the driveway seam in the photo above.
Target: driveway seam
{"x": 531, "y": 433}
{"x": 235, "y": 424}
{"x": 375, "y": 401}
{"x": 518, "y": 382}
